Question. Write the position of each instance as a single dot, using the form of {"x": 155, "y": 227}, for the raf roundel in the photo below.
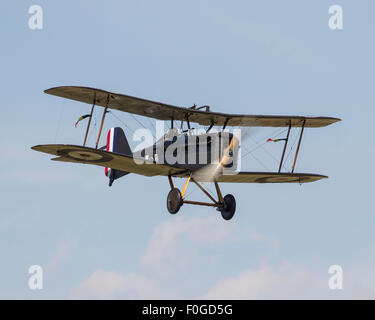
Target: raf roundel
{"x": 86, "y": 156}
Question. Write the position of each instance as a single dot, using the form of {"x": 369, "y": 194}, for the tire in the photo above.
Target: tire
{"x": 174, "y": 201}
{"x": 229, "y": 207}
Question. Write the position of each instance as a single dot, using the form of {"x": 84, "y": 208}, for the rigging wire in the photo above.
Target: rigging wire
{"x": 119, "y": 119}
{"x": 274, "y": 134}
{"x": 153, "y": 126}
{"x": 262, "y": 144}
{"x": 290, "y": 151}
{"x": 137, "y": 120}
{"x": 300, "y": 151}
{"x": 260, "y": 162}
{"x": 95, "y": 127}
{"x": 94, "y": 116}
{"x": 265, "y": 150}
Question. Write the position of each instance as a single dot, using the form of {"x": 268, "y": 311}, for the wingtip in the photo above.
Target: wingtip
{"x": 50, "y": 90}
{"x": 53, "y": 89}
{"x": 332, "y": 121}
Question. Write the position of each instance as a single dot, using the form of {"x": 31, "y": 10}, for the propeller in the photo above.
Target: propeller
{"x": 211, "y": 171}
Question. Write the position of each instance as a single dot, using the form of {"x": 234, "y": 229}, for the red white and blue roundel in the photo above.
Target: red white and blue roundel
{"x": 111, "y": 144}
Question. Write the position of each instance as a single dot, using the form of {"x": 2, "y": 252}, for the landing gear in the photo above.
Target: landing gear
{"x": 174, "y": 201}
{"x": 229, "y": 207}
{"x": 226, "y": 206}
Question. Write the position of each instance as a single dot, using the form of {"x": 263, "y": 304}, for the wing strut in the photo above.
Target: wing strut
{"x": 101, "y": 125}
{"x": 210, "y": 127}
{"x": 299, "y": 144}
{"x": 89, "y": 123}
{"x": 225, "y": 123}
{"x": 286, "y": 143}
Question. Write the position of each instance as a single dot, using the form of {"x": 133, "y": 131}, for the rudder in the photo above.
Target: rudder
{"x": 117, "y": 143}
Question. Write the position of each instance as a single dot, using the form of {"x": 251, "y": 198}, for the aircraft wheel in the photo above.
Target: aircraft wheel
{"x": 229, "y": 207}
{"x": 174, "y": 201}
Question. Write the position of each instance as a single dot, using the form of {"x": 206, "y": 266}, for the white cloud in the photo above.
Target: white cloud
{"x": 109, "y": 285}
{"x": 174, "y": 246}
{"x": 286, "y": 282}
{"x": 164, "y": 256}
{"x": 292, "y": 281}
{"x": 165, "y": 253}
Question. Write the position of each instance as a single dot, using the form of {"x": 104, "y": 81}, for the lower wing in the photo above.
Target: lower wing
{"x": 266, "y": 177}
{"x": 85, "y": 155}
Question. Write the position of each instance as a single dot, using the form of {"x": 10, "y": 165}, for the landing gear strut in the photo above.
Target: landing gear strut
{"x": 225, "y": 205}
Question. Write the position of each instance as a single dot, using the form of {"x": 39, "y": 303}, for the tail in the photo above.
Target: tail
{"x": 117, "y": 142}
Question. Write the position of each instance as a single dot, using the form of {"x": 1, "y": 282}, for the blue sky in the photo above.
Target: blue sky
{"x": 256, "y": 57}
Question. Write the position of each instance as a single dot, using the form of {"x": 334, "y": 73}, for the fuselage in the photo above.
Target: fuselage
{"x": 192, "y": 151}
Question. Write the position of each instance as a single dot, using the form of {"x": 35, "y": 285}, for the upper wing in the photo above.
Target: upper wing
{"x": 164, "y": 111}
{"x": 79, "y": 154}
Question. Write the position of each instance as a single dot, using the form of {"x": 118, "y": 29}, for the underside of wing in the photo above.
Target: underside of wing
{"x": 163, "y": 111}
{"x": 85, "y": 155}
{"x": 266, "y": 177}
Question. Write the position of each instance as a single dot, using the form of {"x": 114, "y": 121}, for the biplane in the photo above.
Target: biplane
{"x": 220, "y": 148}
